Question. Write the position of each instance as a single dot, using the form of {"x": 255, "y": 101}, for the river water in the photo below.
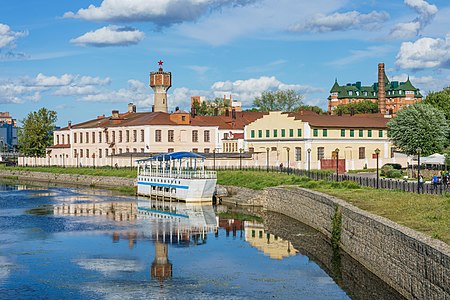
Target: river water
{"x": 62, "y": 242}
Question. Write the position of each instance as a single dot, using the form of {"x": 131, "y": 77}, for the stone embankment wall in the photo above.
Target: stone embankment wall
{"x": 69, "y": 178}
{"x": 241, "y": 196}
{"x": 416, "y": 266}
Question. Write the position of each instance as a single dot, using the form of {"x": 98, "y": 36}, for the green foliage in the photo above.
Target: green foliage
{"x": 419, "y": 126}
{"x": 336, "y": 224}
{"x": 393, "y": 173}
{"x": 315, "y": 109}
{"x": 239, "y": 216}
{"x": 37, "y": 132}
{"x": 440, "y": 100}
{"x": 363, "y": 107}
{"x": 283, "y": 100}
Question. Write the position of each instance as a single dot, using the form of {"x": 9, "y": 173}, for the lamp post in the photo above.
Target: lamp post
{"x": 240, "y": 158}
{"x": 418, "y": 169}
{"x": 309, "y": 161}
{"x": 377, "y": 153}
{"x": 337, "y": 163}
{"x": 287, "y": 149}
{"x": 267, "y": 151}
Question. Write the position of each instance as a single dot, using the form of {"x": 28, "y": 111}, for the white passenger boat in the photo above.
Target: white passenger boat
{"x": 177, "y": 175}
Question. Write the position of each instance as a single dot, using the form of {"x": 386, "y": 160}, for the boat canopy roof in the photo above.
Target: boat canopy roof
{"x": 173, "y": 156}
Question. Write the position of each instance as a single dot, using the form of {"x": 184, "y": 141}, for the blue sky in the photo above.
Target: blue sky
{"x": 84, "y": 58}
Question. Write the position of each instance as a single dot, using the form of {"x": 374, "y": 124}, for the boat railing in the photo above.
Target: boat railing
{"x": 183, "y": 174}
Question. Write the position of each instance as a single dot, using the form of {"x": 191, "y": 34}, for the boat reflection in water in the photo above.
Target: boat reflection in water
{"x": 163, "y": 222}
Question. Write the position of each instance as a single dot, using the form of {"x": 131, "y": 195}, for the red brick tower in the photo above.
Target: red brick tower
{"x": 160, "y": 82}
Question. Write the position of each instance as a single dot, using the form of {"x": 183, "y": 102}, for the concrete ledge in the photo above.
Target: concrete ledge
{"x": 414, "y": 264}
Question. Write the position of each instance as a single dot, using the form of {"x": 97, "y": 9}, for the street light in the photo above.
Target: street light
{"x": 309, "y": 161}
{"x": 337, "y": 163}
{"x": 418, "y": 169}
{"x": 377, "y": 152}
{"x": 267, "y": 150}
{"x": 240, "y": 158}
{"x": 287, "y": 149}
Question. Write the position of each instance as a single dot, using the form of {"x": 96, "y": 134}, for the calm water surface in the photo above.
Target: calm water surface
{"x": 79, "y": 243}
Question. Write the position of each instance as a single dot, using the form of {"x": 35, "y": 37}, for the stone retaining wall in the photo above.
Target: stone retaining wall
{"x": 415, "y": 265}
{"x": 69, "y": 178}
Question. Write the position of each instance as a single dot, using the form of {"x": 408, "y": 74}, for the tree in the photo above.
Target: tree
{"x": 37, "y": 132}
{"x": 440, "y": 100}
{"x": 363, "y": 107}
{"x": 419, "y": 126}
{"x": 284, "y": 100}
{"x": 312, "y": 108}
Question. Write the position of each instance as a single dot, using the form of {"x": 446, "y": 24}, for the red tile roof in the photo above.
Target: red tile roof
{"x": 59, "y": 146}
{"x": 344, "y": 121}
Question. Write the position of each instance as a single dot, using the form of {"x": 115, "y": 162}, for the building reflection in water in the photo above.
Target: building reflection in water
{"x": 175, "y": 223}
{"x": 259, "y": 238}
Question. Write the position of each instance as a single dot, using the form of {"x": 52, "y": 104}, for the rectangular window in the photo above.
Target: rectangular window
{"x": 195, "y": 150}
{"x": 134, "y": 136}
{"x": 106, "y": 137}
{"x": 113, "y": 138}
{"x": 324, "y": 132}
{"x": 106, "y": 152}
{"x": 127, "y": 136}
{"x": 393, "y": 149}
{"x": 87, "y": 153}
{"x": 291, "y": 132}
{"x": 120, "y": 150}
{"x": 75, "y": 138}
{"x": 299, "y": 132}
{"x": 380, "y": 133}
{"x": 81, "y": 152}
{"x": 342, "y": 132}
{"x": 362, "y": 152}
{"x": 252, "y": 134}
{"x": 315, "y": 132}
{"x": 170, "y": 150}
{"x": 275, "y": 133}
{"x": 260, "y": 133}
{"x": 206, "y": 138}
{"x": 170, "y": 135}
{"x": 352, "y": 133}
{"x": 134, "y": 150}
{"x": 87, "y": 137}
{"x": 120, "y": 136}
{"x": 320, "y": 153}
{"x": 99, "y": 153}
{"x": 57, "y": 139}
{"x": 142, "y": 150}
{"x": 93, "y": 138}
{"x": 267, "y": 133}
{"x": 158, "y": 135}
{"x": 113, "y": 151}
{"x": 81, "y": 138}
{"x": 206, "y": 150}
{"x": 283, "y": 133}
{"x": 194, "y": 136}
{"x": 369, "y": 133}
{"x": 62, "y": 137}
{"x": 298, "y": 153}
{"x": 127, "y": 150}
{"x": 142, "y": 135}
{"x": 68, "y": 139}
{"x": 361, "y": 133}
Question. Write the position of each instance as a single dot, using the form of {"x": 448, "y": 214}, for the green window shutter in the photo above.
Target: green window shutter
{"x": 325, "y": 132}
{"x": 361, "y": 133}
{"x": 315, "y": 132}
{"x": 380, "y": 133}
{"x": 275, "y": 133}
{"x": 283, "y": 132}
{"x": 260, "y": 133}
{"x": 342, "y": 132}
{"x": 267, "y": 133}
{"x": 352, "y": 132}
{"x": 252, "y": 133}
{"x": 369, "y": 133}
{"x": 299, "y": 132}
{"x": 291, "y": 132}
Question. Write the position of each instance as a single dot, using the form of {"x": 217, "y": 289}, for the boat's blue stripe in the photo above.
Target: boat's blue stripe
{"x": 163, "y": 212}
{"x": 164, "y": 185}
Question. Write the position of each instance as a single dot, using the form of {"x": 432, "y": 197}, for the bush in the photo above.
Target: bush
{"x": 393, "y": 173}
{"x": 385, "y": 169}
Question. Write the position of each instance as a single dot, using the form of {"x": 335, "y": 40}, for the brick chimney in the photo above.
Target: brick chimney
{"x": 131, "y": 108}
{"x": 381, "y": 89}
{"x": 69, "y": 124}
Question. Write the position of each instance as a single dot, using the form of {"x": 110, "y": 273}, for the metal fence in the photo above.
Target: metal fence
{"x": 383, "y": 183}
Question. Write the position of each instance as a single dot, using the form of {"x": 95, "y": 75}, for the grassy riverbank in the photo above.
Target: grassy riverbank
{"x": 425, "y": 213}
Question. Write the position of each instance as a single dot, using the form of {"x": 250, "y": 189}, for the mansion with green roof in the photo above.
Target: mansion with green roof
{"x": 394, "y": 96}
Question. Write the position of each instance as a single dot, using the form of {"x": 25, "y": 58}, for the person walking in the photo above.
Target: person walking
{"x": 421, "y": 184}
{"x": 435, "y": 182}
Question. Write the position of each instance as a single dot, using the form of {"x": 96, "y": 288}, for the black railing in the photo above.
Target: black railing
{"x": 383, "y": 183}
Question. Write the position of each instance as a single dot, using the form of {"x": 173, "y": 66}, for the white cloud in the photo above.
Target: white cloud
{"x": 8, "y": 37}
{"x": 425, "y": 13}
{"x": 425, "y": 53}
{"x": 161, "y": 12}
{"x": 25, "y": 89}
{"x": 110, "y": 36}
{"x": 342, "y": 21}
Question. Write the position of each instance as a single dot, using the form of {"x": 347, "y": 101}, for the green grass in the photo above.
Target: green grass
{"x": 102, "y": 171}
{"x": 429, "y": 214}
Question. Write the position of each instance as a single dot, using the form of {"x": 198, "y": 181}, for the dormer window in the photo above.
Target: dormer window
{"x": 183, "y": 118}
{"x": 350, "y": 93}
